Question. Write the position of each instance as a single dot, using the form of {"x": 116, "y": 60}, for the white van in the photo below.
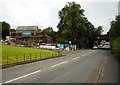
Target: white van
{"x": 106, "y": 45}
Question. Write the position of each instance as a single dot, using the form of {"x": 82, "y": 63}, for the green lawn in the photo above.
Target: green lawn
{"x": 14, "y": 54}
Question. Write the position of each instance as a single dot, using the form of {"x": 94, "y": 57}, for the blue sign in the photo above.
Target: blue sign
{"x": 62, "y": 46}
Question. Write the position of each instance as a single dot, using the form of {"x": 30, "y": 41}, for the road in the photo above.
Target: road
{"x": 85, "y": 66}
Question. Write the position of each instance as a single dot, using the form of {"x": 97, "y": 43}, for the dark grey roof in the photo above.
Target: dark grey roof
{"x": 27, "y": 28}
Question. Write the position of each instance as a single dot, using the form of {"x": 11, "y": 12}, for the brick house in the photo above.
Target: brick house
{"x": 28, "y": 35}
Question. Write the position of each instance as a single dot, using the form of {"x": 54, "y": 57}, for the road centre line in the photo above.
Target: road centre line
{"x": 32, "y": 73}
{"x": 88, "y": 53}
{"x": 84, "y": 55}
{"x": 94, "y": 50}
{"x": 58, "y": 64}
{"x": 75, "y": 58}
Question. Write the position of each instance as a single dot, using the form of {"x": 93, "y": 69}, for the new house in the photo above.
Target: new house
{"x": 28, "y": 35}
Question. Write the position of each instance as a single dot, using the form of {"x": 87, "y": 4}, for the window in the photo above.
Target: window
{"x": 26, "y": 34}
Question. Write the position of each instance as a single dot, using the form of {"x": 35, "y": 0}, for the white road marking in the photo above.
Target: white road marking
{"x": 23, "y": 76}
{"x": 89, "y": 53}
{"x": 94, "y": 50}
{"x": 84, "y": 55}
{"x": 75, "y": 58}
{"x": 58, "y": 64}
{"x": 41, "y": 70}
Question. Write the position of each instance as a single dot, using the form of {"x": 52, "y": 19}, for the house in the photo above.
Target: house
{"x": 29, "y": 35}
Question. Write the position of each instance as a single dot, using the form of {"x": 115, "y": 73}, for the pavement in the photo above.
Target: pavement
{"x": 84, "y": 66}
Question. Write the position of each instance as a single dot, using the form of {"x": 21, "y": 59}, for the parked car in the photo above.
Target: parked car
{"x": 106, "y": 46}
{"x": 95, "y": 47}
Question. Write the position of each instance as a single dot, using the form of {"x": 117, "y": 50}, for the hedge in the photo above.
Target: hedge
{"x": 116, "y": 47}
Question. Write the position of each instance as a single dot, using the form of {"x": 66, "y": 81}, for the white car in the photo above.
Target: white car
{"x": 95, "y": 47}
{"x": 106, "y": 46}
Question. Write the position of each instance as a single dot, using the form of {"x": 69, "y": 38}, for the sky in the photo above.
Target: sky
{"x": 44, "y": 13}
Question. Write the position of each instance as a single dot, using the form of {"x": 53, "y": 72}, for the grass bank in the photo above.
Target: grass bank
{"x": 14, "y": 54}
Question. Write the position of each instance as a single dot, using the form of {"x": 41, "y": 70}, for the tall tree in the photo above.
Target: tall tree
{"x": 99, "y": 30}
{"x": 114, "y": 33}
{"x": 50, "y": 32}
{"x": 75, "y": 27}
{"x": 115, "y": 28}
{"x": 72, "y": 22}
{"x": 5, "y": 29}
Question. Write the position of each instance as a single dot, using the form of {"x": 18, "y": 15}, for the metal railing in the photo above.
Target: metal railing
{"x": 25, "y": 58}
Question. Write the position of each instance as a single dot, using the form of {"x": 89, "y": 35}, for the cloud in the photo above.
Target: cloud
{"x": 44, "y": 13}
{"x": 99, "y": 13}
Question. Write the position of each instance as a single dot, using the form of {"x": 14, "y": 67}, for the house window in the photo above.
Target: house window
{"x": 32, "y": 34}
{"x": 26, "y": 34}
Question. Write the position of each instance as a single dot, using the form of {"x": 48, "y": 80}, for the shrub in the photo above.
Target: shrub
{"x": 116, "y": 47}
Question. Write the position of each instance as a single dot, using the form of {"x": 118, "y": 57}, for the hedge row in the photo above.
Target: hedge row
{"x": 115, "y": 45}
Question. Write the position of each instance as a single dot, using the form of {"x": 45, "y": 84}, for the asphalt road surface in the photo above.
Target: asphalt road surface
{"x": 85, "y": 66}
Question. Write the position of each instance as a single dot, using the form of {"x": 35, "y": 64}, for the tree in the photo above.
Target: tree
{"x": 99, "y": 30}
{"x": 75, "y": 27}
{"x": 59, "y": 37}
{"x": 50, "y": 32}
{"x": 72, "y": 21}
{"x": 114, "y": 33}
{"x": 5, "y": 29}
{"x": 115, "y": 28}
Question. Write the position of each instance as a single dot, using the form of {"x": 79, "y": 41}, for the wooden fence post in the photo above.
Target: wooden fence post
{"x": 7, "y": 60}
{"x": 16, "y": 58}
{"x": 24, "y": 57}
{"x": 30, "y": 57}
{"x": 45, "y": 54}
{"x": 52, "y": 54}
{"x": 40, "y": 56}
{"x": 55, "y": 53}
{"x": 35, "y": 56}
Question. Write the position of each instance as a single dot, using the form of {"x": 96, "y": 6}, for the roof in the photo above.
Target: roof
{"x": 27, "y": 28}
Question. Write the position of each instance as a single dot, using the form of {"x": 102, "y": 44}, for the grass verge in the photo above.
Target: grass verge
{"x": 12, "y": 55}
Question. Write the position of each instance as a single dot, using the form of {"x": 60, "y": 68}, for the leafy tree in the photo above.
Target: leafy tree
{"x": 98, "y": 30}
{"x": 89, "y": 34}
{"x": 114, "y": 33}
{"x": 72, "y": 21}
{"x": 59, "y": 37}
{"x": 115, "y": 28}
{"x": 75, "y": 27}
{"x": 5, "y": 29}
{"x": 49, "y": 31}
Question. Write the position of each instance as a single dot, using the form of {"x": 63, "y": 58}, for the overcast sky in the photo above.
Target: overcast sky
{"x": 44, "y": 13}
